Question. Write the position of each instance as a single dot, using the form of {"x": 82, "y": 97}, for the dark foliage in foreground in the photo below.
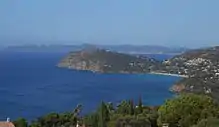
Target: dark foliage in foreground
{"x": 187, "y": 110}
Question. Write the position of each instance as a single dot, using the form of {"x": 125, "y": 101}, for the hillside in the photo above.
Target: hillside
{"x": 207, "y": 53}
{"x": 201, "y": 63}
{"x": 98, "y": 60}
{"x": 202, "y": 67}
{"x": 143, "y": 49}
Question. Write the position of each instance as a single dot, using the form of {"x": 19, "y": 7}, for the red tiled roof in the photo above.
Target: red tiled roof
{"x": 6, "y": 124}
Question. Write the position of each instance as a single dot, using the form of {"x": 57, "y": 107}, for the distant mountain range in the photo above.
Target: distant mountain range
{"x": 132, "y": 49}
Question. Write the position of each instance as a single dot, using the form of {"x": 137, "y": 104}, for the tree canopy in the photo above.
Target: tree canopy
{"x": 209, "y": 122}
{"x": 186, "y": 110}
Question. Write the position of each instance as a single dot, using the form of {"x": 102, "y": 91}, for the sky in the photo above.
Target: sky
{"x": 188, "y": 23}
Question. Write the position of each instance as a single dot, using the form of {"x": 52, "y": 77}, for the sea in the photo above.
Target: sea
{"x": 31, "y": 85}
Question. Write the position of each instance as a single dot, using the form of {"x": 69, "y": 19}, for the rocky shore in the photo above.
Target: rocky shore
{"x": 177, "y": 88}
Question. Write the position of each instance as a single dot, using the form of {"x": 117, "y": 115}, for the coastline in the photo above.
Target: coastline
{"x": 123, "y": 72}
{"x": 168, "y": 74}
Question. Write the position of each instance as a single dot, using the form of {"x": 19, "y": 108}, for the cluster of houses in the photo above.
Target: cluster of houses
{"x": 206, "y": 70}
{"x": 194, "y": 67}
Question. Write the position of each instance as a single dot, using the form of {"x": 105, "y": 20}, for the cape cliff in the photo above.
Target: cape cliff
{"x": 98, "y": 60}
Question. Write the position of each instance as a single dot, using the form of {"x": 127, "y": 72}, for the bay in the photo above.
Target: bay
{"x": 31, "y": 85}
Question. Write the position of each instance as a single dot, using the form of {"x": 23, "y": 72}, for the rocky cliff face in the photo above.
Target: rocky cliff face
{"x": 81, "y": 61}
{"x": 177, "y": 88}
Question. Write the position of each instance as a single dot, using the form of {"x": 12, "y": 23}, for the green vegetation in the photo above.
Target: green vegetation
{"x": 209, "y": 122}
{"x": 186, "y": 110}
{"x": 20, "y": 122}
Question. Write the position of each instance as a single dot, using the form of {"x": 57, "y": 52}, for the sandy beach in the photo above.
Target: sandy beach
{"x": 168, "y": 74}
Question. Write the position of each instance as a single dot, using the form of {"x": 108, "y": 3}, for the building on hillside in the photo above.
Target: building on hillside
{"x": 165, "y": 125}
{"x": 80, "y": 125}
{"x": 6, "y": 123}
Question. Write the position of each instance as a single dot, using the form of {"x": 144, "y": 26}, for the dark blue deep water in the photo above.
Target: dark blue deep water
{"x": 31, "y": 85}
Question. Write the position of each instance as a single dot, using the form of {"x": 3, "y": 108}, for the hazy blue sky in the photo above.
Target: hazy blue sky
{"x": 160, "y": 22}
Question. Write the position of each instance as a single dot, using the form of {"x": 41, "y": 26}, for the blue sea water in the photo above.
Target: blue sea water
{"x": 31, "y": 85}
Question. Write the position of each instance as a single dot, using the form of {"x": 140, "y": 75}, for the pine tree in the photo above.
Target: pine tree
{"x": 140, "y": 105}
{"x": 103, "y": 116}
{"x": 131, "y": 103}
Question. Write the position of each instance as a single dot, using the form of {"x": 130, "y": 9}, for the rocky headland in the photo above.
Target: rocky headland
{"x": 98, "y": 60}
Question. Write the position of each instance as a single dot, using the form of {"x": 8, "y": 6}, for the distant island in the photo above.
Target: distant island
{"x": 199, "y": 68}
{"x": 128, "y": 49}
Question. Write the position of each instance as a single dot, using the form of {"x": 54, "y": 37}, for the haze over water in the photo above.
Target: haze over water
{"x": 31, "y": 85}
